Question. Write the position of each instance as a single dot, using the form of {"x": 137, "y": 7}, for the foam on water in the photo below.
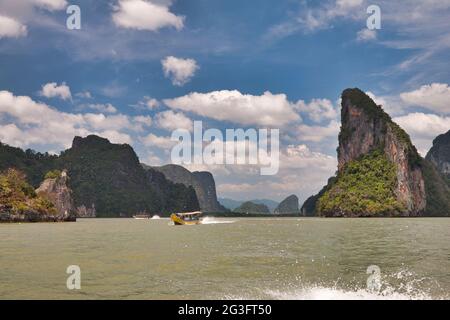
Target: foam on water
{"x": 410, "y": 287}
{"x": 332, "y": 293}
{"x": 155, "y": 217}
{"x": 212, "y": 220}
{"x": 324, "y": 293}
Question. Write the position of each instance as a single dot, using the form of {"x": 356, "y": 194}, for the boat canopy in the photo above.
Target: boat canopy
{"x": 195, "y": 213}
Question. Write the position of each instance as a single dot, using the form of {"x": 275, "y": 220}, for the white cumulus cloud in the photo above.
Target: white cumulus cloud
{"x": 11, "y": 28}
{"x": 151, "y": 103}
{"x": 179, "y": 70}
{"x": 145, "y": 15}
{"x": 302, "y": 171}
{"x": 143, "y": 120}
{"x": 423, "y": 128}
{"x": 84, "y": 95}
{"x": 104, "y": 108}
{"x": 51, "y": 5}
{"x": 318, "y": 109}
{"x": 52, "y": 89}
{"x": 25, "y": 122}
{"x": 152, "y": 140}
{"x": 318, "y": 133}
{"x": 435, "y": 97}
{"x": 366, "y": 35}
{"x": 265, "y": 110}
{"x": 170, "y": 120}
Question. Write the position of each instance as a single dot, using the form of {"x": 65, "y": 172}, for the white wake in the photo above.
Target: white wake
{"x": 410, "y": 287}
{"x": 212, "y": 220}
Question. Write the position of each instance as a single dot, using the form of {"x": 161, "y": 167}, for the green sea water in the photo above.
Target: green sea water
{"x": 286, "y": 258}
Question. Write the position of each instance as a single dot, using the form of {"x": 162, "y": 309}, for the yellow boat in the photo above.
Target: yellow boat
{"x": 186, "y": 219}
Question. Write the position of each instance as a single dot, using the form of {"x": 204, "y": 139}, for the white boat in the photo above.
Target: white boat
{"x": 141, "y": 216}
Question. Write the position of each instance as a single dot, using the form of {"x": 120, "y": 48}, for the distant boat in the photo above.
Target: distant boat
{"x": 186, "y": 218}
{"x": 155, "y": 217}
{"x": 141, "y": 216}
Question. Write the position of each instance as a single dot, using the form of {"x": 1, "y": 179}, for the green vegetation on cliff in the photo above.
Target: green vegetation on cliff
{"x": 53, "y": 174}
{"x": 361, "y": 100}
{"x": 17, "y": 196}
{"x": 364, "y": 187}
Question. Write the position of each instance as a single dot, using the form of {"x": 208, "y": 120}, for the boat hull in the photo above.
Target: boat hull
{"x": 180, "y": 222}
{"x": 141, "y": 217}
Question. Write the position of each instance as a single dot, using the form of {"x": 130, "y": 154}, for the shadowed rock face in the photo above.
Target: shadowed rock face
{"x": 288, "y": 205}
{"x": 380, "y": 172}
{"x": 207, "y": 191}
{"x": 439, "y": 154}
{"x": 59, "y": 193}
{"x": 202, "y": 182}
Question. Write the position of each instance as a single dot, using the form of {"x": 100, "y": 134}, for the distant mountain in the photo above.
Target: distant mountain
{"x": 380, "y": 172}
{"x": 233, "y": 204}
{"x": 288, "y": 206}
{"x": 271, "y": 204}
{"x": 439, "y": 154}
{"x": 230, "y": 203}
{"x": 251, "y": 207}
{"x": 202, "y": 182}
{"x": 108, "y": 176}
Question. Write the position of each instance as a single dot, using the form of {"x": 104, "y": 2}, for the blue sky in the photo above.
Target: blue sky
{"x": 130, "y": 71}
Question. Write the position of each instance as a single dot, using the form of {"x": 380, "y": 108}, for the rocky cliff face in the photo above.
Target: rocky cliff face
{"x": 380, "y": 172}
{"x": 58, "y": 192}
{"x": 206, "y": 191}
{"x": 439, "y": 154}
{"x": 288, "y": 205}
{"x": 86, "y": 212}
{"x": 202, "y": 182}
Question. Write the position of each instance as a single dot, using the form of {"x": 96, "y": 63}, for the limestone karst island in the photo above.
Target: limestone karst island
{"x": 379, "y": 174}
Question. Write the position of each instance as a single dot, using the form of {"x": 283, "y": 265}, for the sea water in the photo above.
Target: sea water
{"x": 285, "y": 258}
